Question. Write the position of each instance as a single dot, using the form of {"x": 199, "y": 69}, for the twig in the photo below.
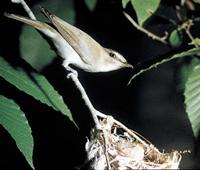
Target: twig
{"x": 190, "y": 52}
{"x": 187, "y": 28}
{"x": 148, "y": 33}
{"x": 26, "y": 8}
{"x": 85, "y": 98}
{"x": 93, "y": 112}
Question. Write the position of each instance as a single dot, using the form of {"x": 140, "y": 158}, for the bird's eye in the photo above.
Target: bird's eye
{"x": 112, "y": 54}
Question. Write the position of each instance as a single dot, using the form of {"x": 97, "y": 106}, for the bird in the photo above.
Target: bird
{"x": 75, "y": 46}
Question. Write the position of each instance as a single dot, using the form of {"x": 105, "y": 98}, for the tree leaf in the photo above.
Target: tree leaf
{"x": 192, "y": 98}
{"x": 183, "y": 73}
{"x": 196, "y": 1}
{"x": 34, "y": 84}
{"x": 175, "y": 39}
{"x": 124, "y": 3}
{"x": 91, "y": 4}
{"x": 144, "y": 9}
{"x": 15, "y": 122}
{"x": 195, "y": 42}
{"x": 34, "y": 48}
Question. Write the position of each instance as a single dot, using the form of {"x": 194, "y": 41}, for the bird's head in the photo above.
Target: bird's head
{"x": 117, "y": 60}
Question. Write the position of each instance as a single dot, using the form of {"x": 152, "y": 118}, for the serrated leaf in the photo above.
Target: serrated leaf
{"x": 15, "y": 122}
{"x": 33, "y": 47}
{"x": 34, "y": 84}
{"x": 124, "y": 3}
{"x": 91, "y": 4}
{"x": 144, "y": 9}
{"x": 192, "y": 98}
{"x": 175, "y": 39}
{"x": 184, "y": 72}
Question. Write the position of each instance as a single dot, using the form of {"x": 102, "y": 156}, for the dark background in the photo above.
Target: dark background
{"x": 151, "y": 105}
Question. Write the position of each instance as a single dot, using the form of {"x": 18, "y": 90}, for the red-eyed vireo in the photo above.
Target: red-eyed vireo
{"x": 75, "y": 46}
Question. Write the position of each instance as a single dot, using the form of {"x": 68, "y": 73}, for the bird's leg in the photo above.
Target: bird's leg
{"x": 71, "y": 71}
{"x": 68, "y": 68}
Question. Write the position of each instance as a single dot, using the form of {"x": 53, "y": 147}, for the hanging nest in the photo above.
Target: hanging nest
{"x": 116, "y": 147}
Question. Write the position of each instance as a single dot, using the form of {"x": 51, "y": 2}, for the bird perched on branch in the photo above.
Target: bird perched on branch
{"x": 75, "y": 46}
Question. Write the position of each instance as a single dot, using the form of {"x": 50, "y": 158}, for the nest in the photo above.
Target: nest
{"x": 116, "y": 147}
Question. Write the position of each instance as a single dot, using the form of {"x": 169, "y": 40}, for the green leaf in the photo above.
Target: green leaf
{"x": 124, "y": 3}
{"x": 15, "y": 122}
{"x": 195, "y": 42}
{"x": 183, "y": 73}
{"x": 144, "y": 9}
{"x": 91, "y": 4}
{"x": 34, "y": 48}
{"x": 175, "y": 39}
{"x": 192, "y": 98}
{"x": 34, "y": 84}
{"x": 196, "y": 1}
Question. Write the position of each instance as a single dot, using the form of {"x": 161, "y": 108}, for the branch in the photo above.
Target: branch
{"x": 148, "y": 33}
{"x": 85, "y": 98}
{"x": 26, "y": 8}
{"x": 190, "y": 52}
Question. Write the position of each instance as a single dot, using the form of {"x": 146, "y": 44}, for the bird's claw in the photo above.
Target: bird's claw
{"x": 74, "y": 73}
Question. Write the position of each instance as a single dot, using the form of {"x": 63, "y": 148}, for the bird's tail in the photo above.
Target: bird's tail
{"x": 43, "y": 27}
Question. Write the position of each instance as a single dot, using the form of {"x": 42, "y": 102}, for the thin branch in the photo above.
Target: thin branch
{"x": 190, "y": 52}
{"x": 93, "y": 112}
{"x": 85, "y": 98}
{"x": 148, "y": 33}
{"x": 26, "y": 8}
{"x": 187, "y": 30}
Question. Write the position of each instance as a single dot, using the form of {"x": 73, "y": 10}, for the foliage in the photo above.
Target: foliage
{"x": 144, "y": 9}
{"x": 35, "y": 85}
{"x": 175, "y": 38}
{"x": 32, "y": 83}
{"x": 192, "y": 96}
{"x": 91, "y": 4}
{"x": 15, "y": 122}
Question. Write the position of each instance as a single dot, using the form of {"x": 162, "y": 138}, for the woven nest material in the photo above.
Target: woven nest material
{"x": 118, "y": 148}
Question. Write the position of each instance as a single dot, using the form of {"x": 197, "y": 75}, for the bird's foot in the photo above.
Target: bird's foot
{"x": 74, "y": 73}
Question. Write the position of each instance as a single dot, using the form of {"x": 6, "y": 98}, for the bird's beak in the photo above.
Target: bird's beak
{"x": 129, "y": 65}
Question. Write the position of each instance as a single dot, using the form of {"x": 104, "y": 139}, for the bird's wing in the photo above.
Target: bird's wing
{"x": 78, "y": 39}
